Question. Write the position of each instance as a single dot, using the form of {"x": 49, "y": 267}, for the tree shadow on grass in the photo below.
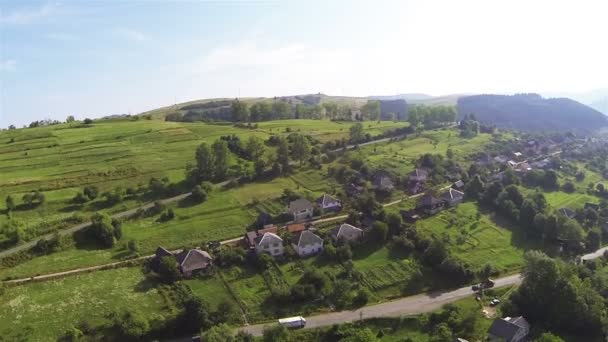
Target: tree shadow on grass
{"x": 71, "y": 208}
{"x": 147, "y": 284}
{"x": 187, "y": 202}
{"x": 363, "y": 251}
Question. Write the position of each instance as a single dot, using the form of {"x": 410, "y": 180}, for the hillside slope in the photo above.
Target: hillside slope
{"x": 531, "y": 112}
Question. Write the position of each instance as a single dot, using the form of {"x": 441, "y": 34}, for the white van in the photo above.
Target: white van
{"x": 293, "y": 322}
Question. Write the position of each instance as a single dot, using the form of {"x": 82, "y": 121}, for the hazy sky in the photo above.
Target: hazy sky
{"x": 93, "y": 58}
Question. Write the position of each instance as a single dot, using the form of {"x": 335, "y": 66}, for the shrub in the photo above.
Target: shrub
{"x": 198, "y": 195}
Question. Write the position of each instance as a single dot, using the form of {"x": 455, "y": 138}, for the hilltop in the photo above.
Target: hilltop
{"x": 531, "y": 112}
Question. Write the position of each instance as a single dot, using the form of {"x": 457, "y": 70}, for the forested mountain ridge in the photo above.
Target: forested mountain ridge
{"x": 531, "y": 112}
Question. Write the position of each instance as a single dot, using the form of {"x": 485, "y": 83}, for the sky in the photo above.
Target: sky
{"x": 96, "y": 58}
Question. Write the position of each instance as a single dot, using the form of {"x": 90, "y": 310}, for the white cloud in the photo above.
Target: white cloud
{"x": 131, "y": 34}
{"x": 8, "y": 65}
{"x": 27, "y": 15}
{"x": 64, "y": 37}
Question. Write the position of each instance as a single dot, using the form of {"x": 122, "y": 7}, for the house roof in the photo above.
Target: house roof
{"x": 459, "y": 183}
{"x": 326, "y": 200}
{"x": 383, "y": 181}
{"x": 162, "y": 252}
{"x": 268, "y": 238}
{"x": 569, "y": 213}
{"x": 299, "y": 205}
{"x": 268, "y": 229}
{"x": 590, "y": 205}
{"x": 352, "y": 188}
{"x": 251, "y": 237}
{"x": 421, "y": 173}
{"x": 507, "y": 328}
{"x": 429, "y": 200}
{"x": 346, "y": 231}
{"x": 452, "y": 194}
{"x": 296, "y": 227}
{"x": 194, "y": 259}
{"x": 307, "y": 238}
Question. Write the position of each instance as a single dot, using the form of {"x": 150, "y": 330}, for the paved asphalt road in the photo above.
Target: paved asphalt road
{"x": 401, "y": 307}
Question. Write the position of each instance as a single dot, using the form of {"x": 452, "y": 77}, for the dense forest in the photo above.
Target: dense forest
{"x": 531, "y": 112}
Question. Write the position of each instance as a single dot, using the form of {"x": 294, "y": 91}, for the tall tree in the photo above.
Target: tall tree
{"x": 300, "y": 148}
{"x": 205, "y": 162}
{"x": 240, "y": 111}
{"x": 356, "y": 133}
{"x": 283, "y": 153}
{"x": 371, "y": 110}
{"x": 255, "y": 148}
{"x": 221, "y": 159}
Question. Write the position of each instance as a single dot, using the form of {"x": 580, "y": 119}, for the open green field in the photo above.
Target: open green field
{"x": 59, "y": 160}
{"x": 384, "y": 272}
{"x": 225, "y": 215}
{"x": 560, "y": 199}
{"x": 400, "y": 156}
{"x": 43, "y": 311}
{"x": 474, "y": 241}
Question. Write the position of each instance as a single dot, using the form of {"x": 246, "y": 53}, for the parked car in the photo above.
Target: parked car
{"x": 494, "y": 302}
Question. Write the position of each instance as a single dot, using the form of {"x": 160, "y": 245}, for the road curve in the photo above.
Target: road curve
{"x": 413, "y": 305}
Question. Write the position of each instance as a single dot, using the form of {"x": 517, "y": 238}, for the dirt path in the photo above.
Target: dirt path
{"x": 78, "y": 227}
{"x": 401, "y": 307}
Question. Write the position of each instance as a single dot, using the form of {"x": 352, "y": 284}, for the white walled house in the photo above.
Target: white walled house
{"x": 326, "y": 202}
{"x": 307, "y": 243}
{"x": 269, "y": 243}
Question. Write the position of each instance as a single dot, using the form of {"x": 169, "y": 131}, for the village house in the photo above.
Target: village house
{"x": 501, "y": 159}
{"x": 484, "y": 160}
{"x": 252, "y": 235}
{"x": 188, "y": 261}
{"x": 301, "y": 209}
{"x": 327, "y": 202}
{"x": 518, "y": 156}
{"x": 307, "y": 243}
{"x": 452, "y": 197}
{"x": 567, "y": 212}
{"x": 458, "y": 185}
{"x": 541, "y": 164}
{"x": 354, "y": 190}
{"x": 346, "y": 232}
{"x": 415, "y": 188}
{"x": 269, "y": 243}
{"x": 430, "y": 205}
{"x": 383, "y": 183}
{"x": 522, "y": 167}
{"x": 593, "y": 206}
{"x": 192, "y": 261}
{"x": 509, "y": 329}
{"x": 418, "y": 175}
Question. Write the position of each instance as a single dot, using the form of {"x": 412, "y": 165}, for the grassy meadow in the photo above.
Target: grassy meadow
{"x": 477, "y": 240}
{"x": 400, "y": 156}
{"x": 43, "y": 311}
{"x": 60, "y": 160}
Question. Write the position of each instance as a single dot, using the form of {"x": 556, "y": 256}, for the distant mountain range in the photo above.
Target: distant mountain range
{"x": 419, "y": 98}
{"x": 531, "y": 112}
{"x": 596, "y": 99}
